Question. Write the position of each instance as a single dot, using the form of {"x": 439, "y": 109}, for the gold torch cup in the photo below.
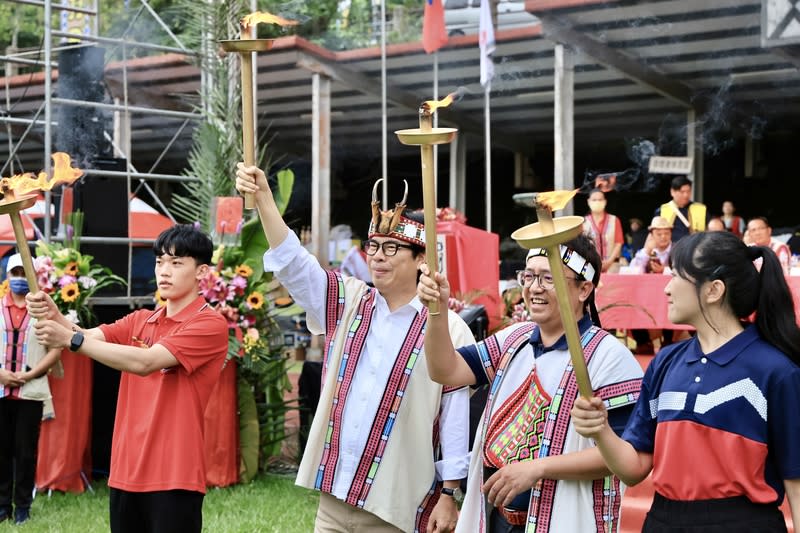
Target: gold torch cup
{"x": 19, "y": 192}
{"x": 11, "y": 205}
{"x": 425, "y": 137}
{"x": 549, "y": 233}
{"x": 245, "y": 48}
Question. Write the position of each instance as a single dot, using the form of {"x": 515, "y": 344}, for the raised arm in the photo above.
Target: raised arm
{"x": 445, "y": 366}
{"x": 253, "y": 180}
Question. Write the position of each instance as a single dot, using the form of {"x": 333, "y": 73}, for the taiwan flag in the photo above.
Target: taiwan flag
{"x": 434, "y": 34}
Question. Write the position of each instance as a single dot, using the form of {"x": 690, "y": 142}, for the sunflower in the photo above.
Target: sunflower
{"x": 69, "y": 293}
{"x": 244, "y": 271}
{"x": 255, "y": 300}
{"x": 71, "y": 269}
{"x": 159, "y": 300}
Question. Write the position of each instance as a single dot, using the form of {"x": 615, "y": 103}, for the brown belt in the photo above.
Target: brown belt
{"x": 514, "y": 518}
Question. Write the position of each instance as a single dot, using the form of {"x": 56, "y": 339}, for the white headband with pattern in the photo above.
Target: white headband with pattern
{"x": 571, "y": 259}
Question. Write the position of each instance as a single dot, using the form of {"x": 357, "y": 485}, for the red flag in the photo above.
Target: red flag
{"x": 434, "y": 34}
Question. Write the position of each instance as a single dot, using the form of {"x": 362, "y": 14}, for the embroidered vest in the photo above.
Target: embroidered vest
{"x": 554, "y": 431}
{"x": 15, "y": 356}
{"x": 603, "y": 235}
{"x": 349, "y": 314}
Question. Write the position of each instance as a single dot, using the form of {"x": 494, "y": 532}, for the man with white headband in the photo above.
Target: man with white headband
{"x": 529, "y": 467}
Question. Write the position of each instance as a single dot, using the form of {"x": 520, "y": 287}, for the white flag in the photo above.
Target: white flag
{"x": 486, "y": 42}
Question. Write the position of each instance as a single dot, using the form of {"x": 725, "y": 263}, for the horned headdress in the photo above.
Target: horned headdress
{"x": 392, "y": 223}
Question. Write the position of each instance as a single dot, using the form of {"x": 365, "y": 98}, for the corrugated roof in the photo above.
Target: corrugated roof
{"x": 709, "y": 50}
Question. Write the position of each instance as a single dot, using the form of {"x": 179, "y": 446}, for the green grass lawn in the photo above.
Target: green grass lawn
{"x": 269, "y": 504}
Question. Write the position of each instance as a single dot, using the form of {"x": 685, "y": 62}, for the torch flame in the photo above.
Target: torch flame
{"x": 555, "y": 200}
{"x": 432, "y": 105}
{"x": 63, "y": 173}
{"x": 248, "y": 21}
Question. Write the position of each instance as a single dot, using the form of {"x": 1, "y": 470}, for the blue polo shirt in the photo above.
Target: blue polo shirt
{"x": 721, "y": 424}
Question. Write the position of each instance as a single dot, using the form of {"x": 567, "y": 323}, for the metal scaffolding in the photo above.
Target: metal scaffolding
{"x": 119, "y": 139}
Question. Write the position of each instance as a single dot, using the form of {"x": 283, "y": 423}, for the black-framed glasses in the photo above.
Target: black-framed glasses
{"x": 545, "y": 280}
{"x": 389, "y": 248}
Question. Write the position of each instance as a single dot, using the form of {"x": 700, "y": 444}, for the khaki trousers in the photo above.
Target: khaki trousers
{"x": 336, "y": 516}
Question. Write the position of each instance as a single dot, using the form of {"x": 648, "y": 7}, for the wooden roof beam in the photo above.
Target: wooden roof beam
{"x": 561, "y": 31}
{"x": 407, "y": 99}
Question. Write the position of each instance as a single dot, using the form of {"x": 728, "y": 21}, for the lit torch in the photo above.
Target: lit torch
{"x": 16, "y": 198}
{"x": 548, "y": 233}
{"x": 245, "y": 46}
{"x": 425, "y": 137}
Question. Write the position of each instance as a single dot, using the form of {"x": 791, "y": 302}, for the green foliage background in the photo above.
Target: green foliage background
{"x": 324, "y": 22}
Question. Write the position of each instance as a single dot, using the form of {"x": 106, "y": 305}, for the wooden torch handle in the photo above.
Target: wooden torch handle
{"x": 429, "y": 211}
{"x": 248, "y": 121}
{"x": 569, "y": 323}
{"x": 24, "y": 251}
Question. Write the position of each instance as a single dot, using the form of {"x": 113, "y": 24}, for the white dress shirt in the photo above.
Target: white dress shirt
{"x": 307, "y": 282}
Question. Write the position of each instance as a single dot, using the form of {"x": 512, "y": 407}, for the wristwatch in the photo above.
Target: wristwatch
{"x": 76, "y": 342}
{"x": 456, "y": 493}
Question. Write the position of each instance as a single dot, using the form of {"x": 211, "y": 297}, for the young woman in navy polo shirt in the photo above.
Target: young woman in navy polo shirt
{"x": 717, "y": 421}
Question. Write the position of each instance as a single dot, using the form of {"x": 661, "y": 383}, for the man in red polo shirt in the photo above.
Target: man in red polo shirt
{"x": 170, "y": 360}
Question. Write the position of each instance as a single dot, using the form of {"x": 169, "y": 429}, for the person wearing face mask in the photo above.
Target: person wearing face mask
{"x": 605, "y": 229}
{"x": 23, "y": 389}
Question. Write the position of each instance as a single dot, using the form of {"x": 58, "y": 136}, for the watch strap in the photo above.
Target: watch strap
{"x": 76, "y": 342}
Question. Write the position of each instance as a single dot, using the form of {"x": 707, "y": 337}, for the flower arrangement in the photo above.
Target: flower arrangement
{"x": 515, "y": 308}
{"x": 71, "y": 278}
{"x": 449, "y": 213}
{"x": 233, "y": 288}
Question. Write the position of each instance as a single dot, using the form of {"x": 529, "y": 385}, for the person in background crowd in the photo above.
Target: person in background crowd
{"x": 685, "y": 216}
{"x": 606, "y": 231}
{"x": 528, "y": 466}
{"x": 653, "y": 259}
{"x": 635, "y": 239}
{"x": 759, "y": 233}
{"x": 716, "y": 421}
{"x": 715, "y": 224}
{"x": 170, "y": 360}
{"x": 23, "y": 389}
{"x": 385, "y": 438}
{"x": 733, "y": 223}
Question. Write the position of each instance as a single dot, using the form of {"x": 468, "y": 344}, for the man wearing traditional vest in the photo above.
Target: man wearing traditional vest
{"x": 23, "y": 391}
{"x": 685, "y": 216}
{"x": 385, "y": 437}
{"x": 605, "y": 229}
{"x": 530, "y": 470}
